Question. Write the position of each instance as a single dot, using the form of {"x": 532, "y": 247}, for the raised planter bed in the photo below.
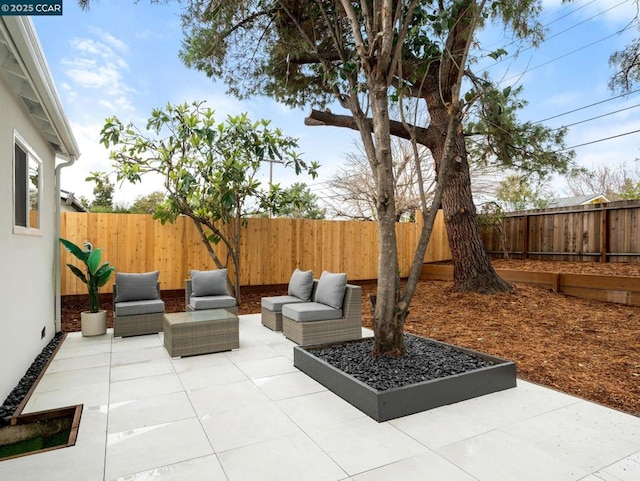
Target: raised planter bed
{"x": 618, "y": 289}
{"x": 383, "y": 405}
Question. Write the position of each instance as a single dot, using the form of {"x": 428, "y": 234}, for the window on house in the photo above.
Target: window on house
{"x": 27, "y": 190}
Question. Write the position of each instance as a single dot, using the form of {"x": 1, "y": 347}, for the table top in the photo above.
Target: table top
{"x": 207, "y": 315}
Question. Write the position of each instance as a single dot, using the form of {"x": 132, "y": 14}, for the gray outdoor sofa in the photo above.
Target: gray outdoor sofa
{"x": 334, "y": 315}
{"x": 300, "y": 289}
{"x": 208, "y": 290}
{"x": 137, "y": 307}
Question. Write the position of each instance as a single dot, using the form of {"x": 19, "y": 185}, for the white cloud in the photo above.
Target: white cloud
{"x": 146, "y": 33}
{"x": 222, "y": 104}
{"x": 111, "y": 40}
{"x": 122, "y": 103}
{"x": 95, "y": 158}
{"x": 95, "y": 65}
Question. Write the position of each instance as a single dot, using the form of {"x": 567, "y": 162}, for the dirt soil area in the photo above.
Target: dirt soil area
{"x": 587, "y": 348}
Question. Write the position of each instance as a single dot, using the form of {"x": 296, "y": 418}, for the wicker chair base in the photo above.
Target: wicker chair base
{"x": 333, "y": 330}
{"x": 272, "y": 319}
{"x": 200, "y": 332}
{"x": 137, "y": 325}
{"x": 321, "y": 332}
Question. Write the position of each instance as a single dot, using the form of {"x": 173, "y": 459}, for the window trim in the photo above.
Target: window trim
{"x": 32, "y": 157}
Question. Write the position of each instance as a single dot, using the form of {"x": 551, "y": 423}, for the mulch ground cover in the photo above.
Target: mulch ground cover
{"x": 590, "y": 349}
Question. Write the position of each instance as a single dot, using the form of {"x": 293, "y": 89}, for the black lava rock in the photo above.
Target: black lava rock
{"x": 424, "y": 360}
{"x": 17, "y": 395}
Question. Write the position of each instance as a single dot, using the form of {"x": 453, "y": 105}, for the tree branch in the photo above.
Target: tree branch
{"x": 324, "y": 118}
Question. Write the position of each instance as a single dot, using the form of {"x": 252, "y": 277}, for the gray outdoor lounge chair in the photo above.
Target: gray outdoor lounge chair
{"x": 137, "y": 307}
{"x": 300, "y": 289}
{"x": 208, "y": 290}
{"x": 334, "y": 315}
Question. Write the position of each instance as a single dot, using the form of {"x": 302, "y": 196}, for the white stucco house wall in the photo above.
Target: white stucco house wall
{"x": 36, "y": 141}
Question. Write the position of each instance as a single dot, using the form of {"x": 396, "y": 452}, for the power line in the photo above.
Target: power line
{"x": 597, "y": 141}
{"x": 543, "y": 26}
{"x": 573, "y": 52}
{"x": 598, "y": 117}
{"x": 559, "y": 33}
{"x": 587, "y": 106}
{"x": 564, "y": 55}
{"x": 568, "y": 13}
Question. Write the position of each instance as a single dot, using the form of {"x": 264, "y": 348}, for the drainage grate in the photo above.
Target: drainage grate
{"x": 41, "y": 431}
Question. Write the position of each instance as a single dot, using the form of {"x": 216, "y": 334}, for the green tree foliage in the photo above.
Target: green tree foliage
{"x": 364, "y": 55}
{"x": 495, "y": 135}
{"x": 209, "y": 169}
{"x": 491, "y": 219}
{"x": 86, "y": 203}
{"x": 516, "y": 192}
{"x": 102, "y": 192}
{"x": 631, "y": 193}
{"x": 298, "y": 202}
{"x": 147, "y": 204}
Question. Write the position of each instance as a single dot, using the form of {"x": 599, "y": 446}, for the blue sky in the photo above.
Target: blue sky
{"x": 121, "y": 59}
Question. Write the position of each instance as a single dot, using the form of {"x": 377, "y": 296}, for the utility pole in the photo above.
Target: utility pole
{"x": 271, "y": 162}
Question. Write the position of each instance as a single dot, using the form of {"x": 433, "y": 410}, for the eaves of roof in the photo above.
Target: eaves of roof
{"x": 23, "y": 63}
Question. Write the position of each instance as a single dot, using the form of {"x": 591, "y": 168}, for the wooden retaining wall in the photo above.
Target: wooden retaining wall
{"x": 619, "y": 289}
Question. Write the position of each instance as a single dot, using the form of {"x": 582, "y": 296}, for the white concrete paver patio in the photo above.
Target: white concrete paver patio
{"x": 250, "y": 415}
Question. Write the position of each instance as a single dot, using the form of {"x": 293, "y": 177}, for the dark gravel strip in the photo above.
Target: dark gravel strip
{"x": 424, "y": 360}
{"x": 19, "y": 392}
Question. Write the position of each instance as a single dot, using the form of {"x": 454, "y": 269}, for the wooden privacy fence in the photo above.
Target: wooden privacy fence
{"x": 270, "y": 249}
{"x": 608, "y": 232}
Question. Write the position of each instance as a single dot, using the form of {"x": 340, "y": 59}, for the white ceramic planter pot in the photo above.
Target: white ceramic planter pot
{"x": 93, "y": 323}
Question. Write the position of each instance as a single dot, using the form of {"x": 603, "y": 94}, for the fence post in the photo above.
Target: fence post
{"x": 525, "y": 240}
{"x": 555, "y": 282}
{"x": 604, "y": 237}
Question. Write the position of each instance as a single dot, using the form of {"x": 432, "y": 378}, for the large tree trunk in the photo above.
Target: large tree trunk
{"x": 472, "y": 269}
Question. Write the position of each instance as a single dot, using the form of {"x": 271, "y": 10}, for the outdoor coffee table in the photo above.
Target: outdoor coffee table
{"x": 200, "y": 332}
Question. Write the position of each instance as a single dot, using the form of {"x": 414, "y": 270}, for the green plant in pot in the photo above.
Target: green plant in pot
{"x": 96, "y": 275}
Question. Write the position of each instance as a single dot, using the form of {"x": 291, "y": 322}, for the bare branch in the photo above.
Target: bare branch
{"x": 325, "y": 118}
